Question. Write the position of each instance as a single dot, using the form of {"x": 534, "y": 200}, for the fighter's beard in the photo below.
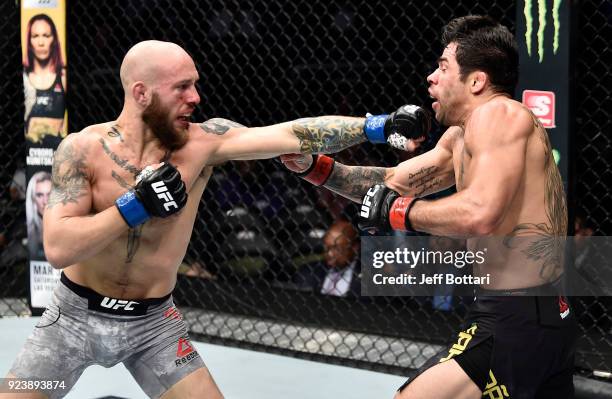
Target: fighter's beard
{"x": 156, "y": 117}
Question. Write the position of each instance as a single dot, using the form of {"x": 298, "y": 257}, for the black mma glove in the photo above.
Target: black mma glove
{"x": 158, "y": 193}
{"x": 383, "y": 209}
{"x": 408, "y": 122}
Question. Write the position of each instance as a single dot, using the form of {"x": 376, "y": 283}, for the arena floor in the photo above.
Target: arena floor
{"x": 240, "y": 373}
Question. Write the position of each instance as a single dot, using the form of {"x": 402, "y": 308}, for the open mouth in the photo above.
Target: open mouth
{"x": 183, "y": 121}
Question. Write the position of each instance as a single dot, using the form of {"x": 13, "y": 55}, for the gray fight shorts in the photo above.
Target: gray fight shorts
{"x": 81, "y": 327}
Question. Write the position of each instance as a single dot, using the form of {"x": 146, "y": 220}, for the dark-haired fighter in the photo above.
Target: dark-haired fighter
{"x": 496, "y": 152}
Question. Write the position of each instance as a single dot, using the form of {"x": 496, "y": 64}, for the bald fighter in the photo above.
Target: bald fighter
{"x": 121, "y": 212}
{"x": 509, "y": 196}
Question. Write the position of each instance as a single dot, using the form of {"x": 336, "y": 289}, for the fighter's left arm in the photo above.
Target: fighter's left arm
{"x": 324, "y": 134}
{"x": 496, "y": 136}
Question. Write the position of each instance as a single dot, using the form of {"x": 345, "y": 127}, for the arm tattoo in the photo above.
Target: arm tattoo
{"x": 69, "y": 174}
{"x": 461, "y": 171}
{"x": 133, "y": 242}
{"x": 547, "y": 239}
{"x": 423, "y": 181}
{"x": 556, "y": 208}
{"x": 115, "y": 133}
{"x": 328, "y": 133}
{"x": 218, "y": 126}
{"x": 123, "y": 163}
{"x": 121, "y": 181}
{"x": 353, "y": 182}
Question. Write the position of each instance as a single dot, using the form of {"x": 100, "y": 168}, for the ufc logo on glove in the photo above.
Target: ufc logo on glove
{"x": 162, "y": 193}
{"x": 143, "y": 202}
{"x": 367, "y": 202}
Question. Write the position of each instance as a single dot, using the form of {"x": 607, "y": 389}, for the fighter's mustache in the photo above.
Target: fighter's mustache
{"x": 157, "y": 118}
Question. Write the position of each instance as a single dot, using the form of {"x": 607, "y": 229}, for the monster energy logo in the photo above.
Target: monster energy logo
{"x": 542, "y": 14}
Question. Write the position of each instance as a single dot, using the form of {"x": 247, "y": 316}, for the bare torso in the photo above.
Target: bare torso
{"x": 525, "y": 248}
{"x": 143, "y": 262}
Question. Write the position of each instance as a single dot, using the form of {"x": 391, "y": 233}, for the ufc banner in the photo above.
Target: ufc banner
{"x": 543, "y": 34}
{"x": 43, "y": 45}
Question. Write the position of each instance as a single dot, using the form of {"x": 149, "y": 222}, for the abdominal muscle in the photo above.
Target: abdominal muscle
{"x": 157, "y": 249}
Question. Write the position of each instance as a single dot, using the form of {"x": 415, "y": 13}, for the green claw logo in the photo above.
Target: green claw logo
{"x": 542, "y": 14}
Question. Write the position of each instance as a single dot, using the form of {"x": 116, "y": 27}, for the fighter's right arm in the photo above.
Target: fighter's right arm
{"x": 419, "y": 176}
{"x": 323, "y": 134}
{"x": 70, "y": 232}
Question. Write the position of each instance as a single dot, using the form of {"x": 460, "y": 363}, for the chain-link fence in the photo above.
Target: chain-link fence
{"x": 13, "y": 253}
{"x": 252, "y": 274}
{"x": 593, "y": 104}
{"x": 593, "y": 155}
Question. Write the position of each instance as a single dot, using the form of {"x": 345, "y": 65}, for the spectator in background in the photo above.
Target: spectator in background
{"x": 339, "y": 273}
{"x": 12, "y": 222}
{"x": 10, "y": 209}
{"x": 37, "y": 196}
{"x": 443, "y": 293}
{"x": 44, "y": 82}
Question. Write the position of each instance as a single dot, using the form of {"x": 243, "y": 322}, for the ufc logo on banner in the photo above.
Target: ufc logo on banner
{"x": 111, "y": 303}
{"x": 162, "y": 193}
{"x": 367, "y": 202}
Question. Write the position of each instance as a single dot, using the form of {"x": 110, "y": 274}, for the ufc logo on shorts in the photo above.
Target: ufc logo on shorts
{"x": 367, "y": 202}
{"x": 162, "y": 193}
{"x": 111, "y": 303}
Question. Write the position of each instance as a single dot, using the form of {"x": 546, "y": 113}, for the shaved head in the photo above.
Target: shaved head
{"x": 159, "y": 79}
{"x": 150, "y": 62}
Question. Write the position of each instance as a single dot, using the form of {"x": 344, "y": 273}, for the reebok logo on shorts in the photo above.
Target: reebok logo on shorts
{"x": 564, "y": 310}
{"x": 184, "y": 352}
{"x": 184, "y": 348}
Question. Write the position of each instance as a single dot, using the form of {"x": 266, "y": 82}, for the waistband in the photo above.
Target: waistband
{"x": 550, "y": 289}
{"x": 105, "y": 304}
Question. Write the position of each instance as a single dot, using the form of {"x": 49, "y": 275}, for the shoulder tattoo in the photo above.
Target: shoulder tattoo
{"x": 69, "y": 177}
{"x": 218, "y": 126}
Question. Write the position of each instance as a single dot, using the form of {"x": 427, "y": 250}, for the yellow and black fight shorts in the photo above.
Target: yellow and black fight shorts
{"x": 515, "y": 346}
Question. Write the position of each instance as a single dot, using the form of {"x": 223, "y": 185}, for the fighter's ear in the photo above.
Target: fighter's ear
{"x": 140, "y": 93}
{"x": 478, "y": 81}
